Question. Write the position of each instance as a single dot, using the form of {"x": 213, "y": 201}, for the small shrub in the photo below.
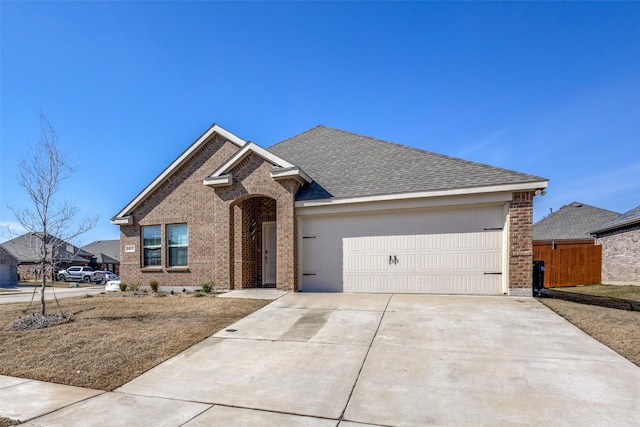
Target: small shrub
{"x": 198, "y": 295}
{"x": 133, "y": 287}
{"x": 154, "y": 285}
{"x": 123, "y": 286}
{"x": 207, "y": 287}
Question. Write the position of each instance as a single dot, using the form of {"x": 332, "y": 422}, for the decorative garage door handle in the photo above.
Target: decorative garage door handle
{"x": 393, "y": 259}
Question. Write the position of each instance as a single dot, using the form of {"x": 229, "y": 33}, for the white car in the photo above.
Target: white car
{"x": 113, "y": 285}
{"x": 105, "y": 276}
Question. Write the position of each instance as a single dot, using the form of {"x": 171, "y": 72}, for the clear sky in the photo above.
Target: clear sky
{"x": 550, "y": 89}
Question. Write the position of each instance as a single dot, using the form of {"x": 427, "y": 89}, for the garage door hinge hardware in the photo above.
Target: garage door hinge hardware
{"x": 492, "y": 273}
{"x": 393, "y": 259}
{"x": 308, "y": 274}
{"x": 493, "y": 229}
{"x": 308, "y": 237}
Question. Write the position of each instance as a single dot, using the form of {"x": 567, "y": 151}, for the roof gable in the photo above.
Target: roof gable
{"x": 122, "y": 218}
{"x": 281, "y": 169}
{"x": 347, "y": 165}
{"x": 571, "y": 222}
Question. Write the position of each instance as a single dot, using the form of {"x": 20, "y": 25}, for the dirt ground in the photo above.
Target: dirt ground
{"x": 112, "y": 339}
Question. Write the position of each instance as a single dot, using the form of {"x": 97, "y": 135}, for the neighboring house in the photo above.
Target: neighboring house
{"x": 106, "y": 255}
{"x": 8, "y": 268}
{"x": 570, "y": 225}
{"x": 26, "y": 250}
{"x": 562, "y": 241}
{"x": 620, "y": 240}
{"x": 329, "y": 210}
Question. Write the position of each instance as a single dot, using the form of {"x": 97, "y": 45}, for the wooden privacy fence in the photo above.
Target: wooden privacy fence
{"x": 571, "y": 266}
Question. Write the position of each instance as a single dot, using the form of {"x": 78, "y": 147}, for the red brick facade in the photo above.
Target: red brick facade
{"x": 520, "y": 243}
{"x": 221, "y": 250}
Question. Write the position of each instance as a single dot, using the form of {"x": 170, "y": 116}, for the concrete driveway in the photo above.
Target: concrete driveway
{"x": 393, "y": 360}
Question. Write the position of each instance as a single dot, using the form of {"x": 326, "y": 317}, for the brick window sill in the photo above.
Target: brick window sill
{"x": 182, "y": 269}
{"x": 151, "y": 269}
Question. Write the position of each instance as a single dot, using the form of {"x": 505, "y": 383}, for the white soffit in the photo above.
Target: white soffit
{"x": 186, "y": 155}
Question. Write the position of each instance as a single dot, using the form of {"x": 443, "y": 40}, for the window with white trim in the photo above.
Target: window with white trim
{"x": 151, "y": 246}
{"x": 178, "y": 245}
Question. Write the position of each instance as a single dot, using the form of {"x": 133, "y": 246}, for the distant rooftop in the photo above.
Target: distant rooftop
{"x": 571, "y": 222}
{"x": 629, "y": 218}
{"x": 105, "y": 251}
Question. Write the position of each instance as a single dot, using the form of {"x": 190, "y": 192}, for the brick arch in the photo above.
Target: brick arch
{"x": 252, "y": 182}
{"x": 247, "y": 216}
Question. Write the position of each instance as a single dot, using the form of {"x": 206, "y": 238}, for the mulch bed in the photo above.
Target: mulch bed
{"x": 617, "y": 303}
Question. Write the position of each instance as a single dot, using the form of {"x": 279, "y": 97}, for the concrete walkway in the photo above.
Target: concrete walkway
{"x": 367, "y": 360}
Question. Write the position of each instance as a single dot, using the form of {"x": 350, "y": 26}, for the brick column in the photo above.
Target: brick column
{"x": 238, "y": 243}
{"x": 286, "y": 235}
{"x": 222, "y": 235}
{"x": 521, "y": 244}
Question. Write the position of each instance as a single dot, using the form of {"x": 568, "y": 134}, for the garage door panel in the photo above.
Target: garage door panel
{"x": 448, "y": 251}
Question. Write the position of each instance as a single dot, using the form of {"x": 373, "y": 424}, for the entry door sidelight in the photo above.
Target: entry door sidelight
{"x": 269, "y": 253}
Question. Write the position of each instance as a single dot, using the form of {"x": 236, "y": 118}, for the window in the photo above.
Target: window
{"x": 151, "y": 248}
{"x": 178, "y": 245}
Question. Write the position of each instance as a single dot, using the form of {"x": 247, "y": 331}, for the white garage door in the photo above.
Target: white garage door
{"x": 457, "y": 251}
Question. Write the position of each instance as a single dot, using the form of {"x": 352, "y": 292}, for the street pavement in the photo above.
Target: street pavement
{"x": 26, "y": 293}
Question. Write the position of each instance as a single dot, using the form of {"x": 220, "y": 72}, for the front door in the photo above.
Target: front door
{"x": 269, "y": 253}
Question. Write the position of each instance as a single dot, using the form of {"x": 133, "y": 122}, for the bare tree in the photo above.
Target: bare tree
{"x": 50, "y": 222}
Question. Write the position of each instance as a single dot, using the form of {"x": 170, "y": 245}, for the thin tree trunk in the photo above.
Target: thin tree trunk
{"x": 44, "y": 284}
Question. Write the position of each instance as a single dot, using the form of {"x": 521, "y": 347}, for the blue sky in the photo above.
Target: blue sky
{"x": 550, "y": 89}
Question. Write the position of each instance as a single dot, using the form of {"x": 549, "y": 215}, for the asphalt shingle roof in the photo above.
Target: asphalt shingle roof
{"x": 344, "y": 164}
{"x": 105, "y": 251}
{"x": 631, "y": 217}
{"x": 572, "y": 221}
{"x": 26, "y": 248}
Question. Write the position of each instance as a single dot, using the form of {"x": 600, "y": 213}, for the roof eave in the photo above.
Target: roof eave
{"x": 122, "y": 220}
{"x": 621, "y": 224}
{"x": 294, "y": 173}
{"x": 530, "y": 186}
{"x": 218, "y": 181}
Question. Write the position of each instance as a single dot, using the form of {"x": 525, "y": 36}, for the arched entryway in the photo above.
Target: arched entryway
{"x": 253, "y": 242}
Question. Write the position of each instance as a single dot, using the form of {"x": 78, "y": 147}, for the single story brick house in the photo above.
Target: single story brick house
{"x": 620, "y": 240}
{"x": 27, "y": 251}
{"x": 330, "y": 211}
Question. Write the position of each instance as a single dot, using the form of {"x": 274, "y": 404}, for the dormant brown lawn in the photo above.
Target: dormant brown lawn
{"x": 112, "y": 339}
{"x": 617, "y": 329}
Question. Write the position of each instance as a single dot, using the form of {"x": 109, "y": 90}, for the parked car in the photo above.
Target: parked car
{"x": 105, "y": 276}
{"x": 113, "y": 285}
{"x": 79, "y": 274}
